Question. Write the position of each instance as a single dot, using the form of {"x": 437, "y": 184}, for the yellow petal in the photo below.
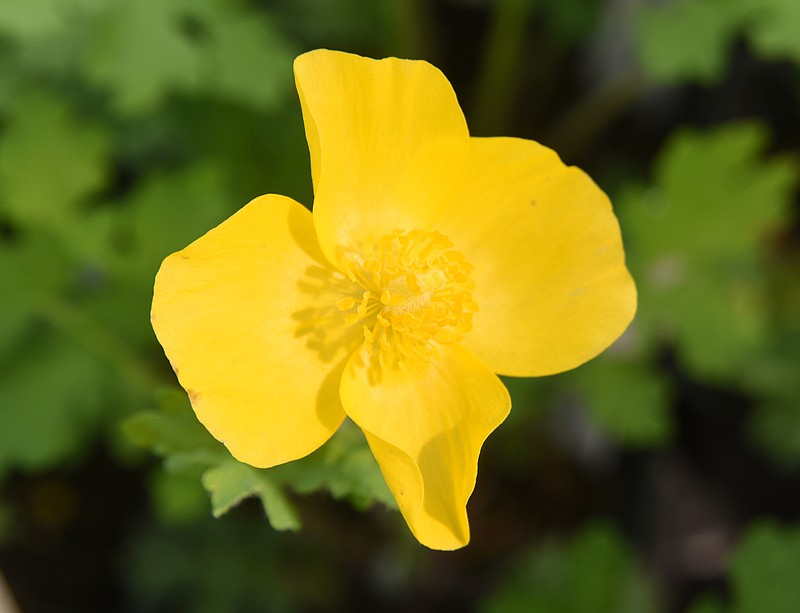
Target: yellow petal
{"x": 235, "y": 312}
{"x": 425, "y": 426}
{"x": 388, "y": 144}
{"x": 549, "y": 269}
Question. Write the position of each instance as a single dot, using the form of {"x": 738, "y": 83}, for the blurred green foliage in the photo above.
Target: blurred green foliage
{"x": 128, "y": 128}
{"x": 344, "y": 466}
{"x": 707, "y": 29}
{"x": 595, "y": 572}
{"x": 762, "y": 572}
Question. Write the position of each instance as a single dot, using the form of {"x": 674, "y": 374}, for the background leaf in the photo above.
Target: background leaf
{"x": 595, "y": 572}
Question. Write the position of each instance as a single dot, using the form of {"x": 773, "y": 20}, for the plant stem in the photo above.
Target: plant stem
{"x": 497, "y": 83}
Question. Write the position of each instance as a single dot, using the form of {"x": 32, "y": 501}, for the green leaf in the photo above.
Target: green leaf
{"x": 29, "y": 18}
{"x": 173, "y": 430}
{"x": 174, "y": 433}
{"x": 773, "y": 30}
{"x": 707, "y": 604}
{"x": 596, "y": 572}
{"x": 571, "y": 20}
{"x": 166, "y": 213}
{"x": 232, "y": 482}
{"x": 140, "y": 54}
{"x": 772, "y": 378}
{"x": 627, "y": 400}
{"x": 688, "y": 39}
{"x": 212, "y": 566}
{"x": 717, "y": 323}
{"x": 145, "y": 50}
{"x": 345, "y": 467}
{"x": 775, "y": 427}
{"x": 764, "y": 569}
{"x": 245, "y": 56}
{"x": 50, "y": 401}
{"x": 177, "y": 498}
{"x": 35, "y": 20}
{"x": 695, "y": 242}
{"x": 29, "y": 268}
{"x": 49, "y": 161}
{"x": 714, "y": 196}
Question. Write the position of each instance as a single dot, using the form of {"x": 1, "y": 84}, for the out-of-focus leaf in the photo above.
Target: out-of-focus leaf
{"x": 707, "y": 604}
{"x": 167, "y": 213}
{"x": 764, "y": 570}
{"x": 173, "y": 430}
{"x": 571, "y": 19}
{"x": 177, "y": 498}
{"x": 232, "y": 482}
{"x": 706, "y": 29}
{"x": 34, "y": 20}
{"x": 688, "y": 39}
{"x": 341, "y": 24}
{"x": 714, "y": 197}
{"x": 14, "y": 319}
{"x": 596, "y": 572}
{"x": 717, "y": 322}
{"x": 145, "y": 50}
{"x": 46, "y": 38}
{"x": 212, "y": 566}
{"x": 257, "y": 154}
{"x": 50, "y": 399}
{"x": 49, "y": 160}
{"x": 694, "y": 240}
{"x": 775, "y": 427}
{"x": 627, "y": 400}
{"x": 29, "y": 18}
{"x": 245, "y": 57}
{"x": 773, "y": 29}
{"x": 773, "y": 377}
{"x": 30, "y": 269}
{"x": 32, "y": 266}
{"x": 140, "y": 54}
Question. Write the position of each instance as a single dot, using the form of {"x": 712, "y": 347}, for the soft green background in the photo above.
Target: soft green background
{"x": 660, "y": 477}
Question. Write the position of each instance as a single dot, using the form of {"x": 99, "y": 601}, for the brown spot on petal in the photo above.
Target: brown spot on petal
{"x": 194, "y": 395}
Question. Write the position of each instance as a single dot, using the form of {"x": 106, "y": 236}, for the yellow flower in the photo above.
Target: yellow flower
{"x": 433, "y": 260}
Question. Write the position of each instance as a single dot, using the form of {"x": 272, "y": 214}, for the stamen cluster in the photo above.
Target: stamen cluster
{"x": 415, "y": 293}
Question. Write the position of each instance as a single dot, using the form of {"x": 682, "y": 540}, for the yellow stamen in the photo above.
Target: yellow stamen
{"x": 416, "y": 294}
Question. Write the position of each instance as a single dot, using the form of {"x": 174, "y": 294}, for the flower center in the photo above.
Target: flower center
{"x": 414, "y": 292}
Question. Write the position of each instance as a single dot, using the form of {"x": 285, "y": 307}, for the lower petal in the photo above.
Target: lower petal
{"x": 242, "y": 314}
{"x": 425, "y": 423}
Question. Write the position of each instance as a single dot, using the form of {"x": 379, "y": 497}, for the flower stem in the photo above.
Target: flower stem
{"x": 498, "y": 78}
{"x": 412, "y": 24}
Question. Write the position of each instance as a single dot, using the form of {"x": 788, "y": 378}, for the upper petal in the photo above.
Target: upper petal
{"x": 551, "y": 283}
{"x": 388, "y": 144}
{"x": 425, "y": 424}
{"x": 232, "y": 311}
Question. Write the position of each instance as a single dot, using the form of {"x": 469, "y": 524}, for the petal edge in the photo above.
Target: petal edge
{"x": 425, "y": 426}
{"x": 225, "y": 310}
